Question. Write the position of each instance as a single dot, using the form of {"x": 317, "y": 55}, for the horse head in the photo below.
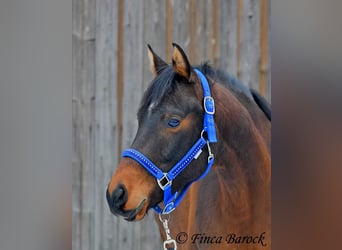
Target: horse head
{"x": 170, "y": 121}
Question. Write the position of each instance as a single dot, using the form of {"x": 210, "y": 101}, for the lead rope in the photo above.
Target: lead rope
{"x": 168, "y": 240}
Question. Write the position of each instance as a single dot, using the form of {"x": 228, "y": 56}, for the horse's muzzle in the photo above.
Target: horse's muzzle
{"x": 118, "y": 199}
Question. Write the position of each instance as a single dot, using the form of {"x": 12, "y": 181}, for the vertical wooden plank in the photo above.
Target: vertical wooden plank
{"x": 227, "y": 37}
{"x": 238, "y": 48}
{"x": 268, "y": 75}
{"x": 263, "y": 47}
{"x": 180, "y": 24}
{"x": 76, "y": 116}
{"x": 155, "y": 23}
{"x": 76, "y": 154}
{"x": 120, "y": 29}
{"x": 132, "y": 67}
{"x": 83, "y": 122}
{"x": 250, "y": 44}
{"x": 199, "y": 31}
{"x": 106, "y": 122}
{"x": 168, "y": 35}
{"x": 150, "y": 236}
{"x": 192, "y": 30}
{"x": 154, "y": 34}
{"x": 216, "y": 31}
{"x": 209, "y": 31}
{"x": 129, "y": 233}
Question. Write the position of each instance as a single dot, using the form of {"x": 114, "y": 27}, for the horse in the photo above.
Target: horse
{"x": 229, "y": 208}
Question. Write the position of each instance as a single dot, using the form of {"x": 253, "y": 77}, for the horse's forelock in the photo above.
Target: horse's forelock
{"x": 162, "y": 85}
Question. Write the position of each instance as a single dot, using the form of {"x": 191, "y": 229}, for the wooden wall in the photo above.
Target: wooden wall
{"x": 111, "y": 71}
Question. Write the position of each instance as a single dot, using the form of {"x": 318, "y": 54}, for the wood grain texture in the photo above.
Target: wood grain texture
{"x": 181, "y": 23}
{"x": 132, "y": 89}
{"x": 111, "y": 72}
{"x": 250, "y": 44}
{"x": 227, "y": 37}
{"x": 154, "y": 33}
{"x": 107, "y": 125}
{"x": 83, "y": 124}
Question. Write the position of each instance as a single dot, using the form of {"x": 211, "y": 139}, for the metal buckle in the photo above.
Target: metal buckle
{"x": 161, "y": 181}
{"x": 209, "y": 105}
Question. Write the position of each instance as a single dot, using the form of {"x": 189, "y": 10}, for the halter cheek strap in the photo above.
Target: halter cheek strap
{"x": 164, "y": 180}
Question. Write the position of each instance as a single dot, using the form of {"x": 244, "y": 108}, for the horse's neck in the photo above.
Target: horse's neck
{"x": 234, "y": 196}
{"x": 242, "y": 155}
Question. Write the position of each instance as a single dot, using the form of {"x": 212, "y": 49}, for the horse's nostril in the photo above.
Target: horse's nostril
{"x": 118, "y": 197}
{"x": 119, "y": 192}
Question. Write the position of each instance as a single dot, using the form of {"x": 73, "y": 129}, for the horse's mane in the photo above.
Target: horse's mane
{"x": 227, "y": 80}
{"x": 163, "y": 86}
{"x": 244, "y": 94}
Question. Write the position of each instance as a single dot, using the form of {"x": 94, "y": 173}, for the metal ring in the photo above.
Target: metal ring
{"x": 166, "y": 218}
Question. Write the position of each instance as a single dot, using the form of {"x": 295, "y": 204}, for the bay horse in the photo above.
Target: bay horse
{"x": 196, "y": 121}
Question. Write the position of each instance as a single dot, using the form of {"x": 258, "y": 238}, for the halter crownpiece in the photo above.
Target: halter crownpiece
{"x": 164, "y": 180}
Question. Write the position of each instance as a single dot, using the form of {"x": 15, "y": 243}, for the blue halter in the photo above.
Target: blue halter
{"x": 164, "y": 180}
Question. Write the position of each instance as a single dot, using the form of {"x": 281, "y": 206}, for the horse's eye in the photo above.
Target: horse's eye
{"x": 173, "y": 123}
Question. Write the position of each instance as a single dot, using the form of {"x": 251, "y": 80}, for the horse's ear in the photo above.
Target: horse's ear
{"x": 157, "y": 64}
{"x": 180, "y": 62}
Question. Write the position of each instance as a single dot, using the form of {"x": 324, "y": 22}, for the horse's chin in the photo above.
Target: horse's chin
{"x": 139, "y": 212}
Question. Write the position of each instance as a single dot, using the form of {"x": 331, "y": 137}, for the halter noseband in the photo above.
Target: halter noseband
{"x": 164, "y": 180}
